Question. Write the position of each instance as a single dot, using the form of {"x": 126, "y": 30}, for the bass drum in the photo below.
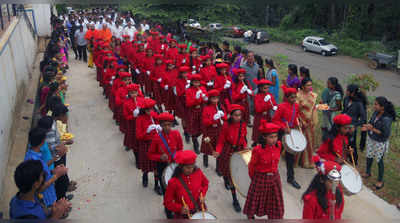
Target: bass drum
{"x": 240, "y": 171}
{"x": 167, "y": 174}
{"x": 351, "y": 180}
{"x": 203, "y": 215}
{"x": 295, "y": 142}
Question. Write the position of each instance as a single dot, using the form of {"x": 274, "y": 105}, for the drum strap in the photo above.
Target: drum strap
{"x": 189, "y": 193}
{"x": 291, "y": 122}
{"x": 166, "y": 145}
{"x": 238, "y": 139}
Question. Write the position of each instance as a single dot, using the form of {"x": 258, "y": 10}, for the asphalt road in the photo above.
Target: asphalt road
{"x": 339, "y": 66}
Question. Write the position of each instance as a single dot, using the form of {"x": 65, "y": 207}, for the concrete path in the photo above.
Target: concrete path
{"x": 110, "y": 186}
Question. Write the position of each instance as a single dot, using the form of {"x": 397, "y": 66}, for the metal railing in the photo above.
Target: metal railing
{"x": 21, "y": 11}
{"x": 7, "y": 11}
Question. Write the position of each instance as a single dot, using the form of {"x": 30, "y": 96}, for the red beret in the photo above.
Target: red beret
{"x": 221, "y": 65}
{"x": 325, "y": 167}
{"x": 262, "y": 81}
{"x": 121, "y": 66}
{"x": 195, "y": 77}
{"x": 140, "y": 44}
{"x": 125, "y": 36}
{"x": 185, "y": 157}
{"x": 124, "y": 74}
{"x": 153, "y": 33}
{"x": 165, "y": 116}
{"x": 184, "y": 69}
{"x": 206, "y": 57}
{"x": 342, "y": 119}
{"x": 107, "y": 52}
{"x": 288, "y": 90}
{"x": 172, "y": 41}
{"x": 132, "y": 87}
{"x": 148, "y": 103}
{"x": 234, "y": 107}
{"x": 182, "y": 46}
{"x": 238, "y": 71}
{"x": 158, "y": 56}
{"x": 169, "y": 61}
{"x": 268, "y": 127}
{"x": 213, "y": 93}
{"x": 110, "y": 58}
{"x": 192, "y": 49}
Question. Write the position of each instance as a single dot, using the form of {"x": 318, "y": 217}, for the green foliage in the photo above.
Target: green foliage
{"x": 366, "y": 82}
{"x": 61, "y": 8}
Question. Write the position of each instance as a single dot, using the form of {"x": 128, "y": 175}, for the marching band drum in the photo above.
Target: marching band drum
{"x": 167, "y": 174}
{"x": 239, "y": 171}
{"x": 203, "y": 215}
{"x": 295, "y": 142}
{"x": 351, "y": 180}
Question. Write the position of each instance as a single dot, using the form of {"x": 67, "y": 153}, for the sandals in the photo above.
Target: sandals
{"x": 379, "y": 187}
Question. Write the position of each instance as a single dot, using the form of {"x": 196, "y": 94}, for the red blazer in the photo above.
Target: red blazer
{"x": 338, "y": 143}
{"x": 220, "y": 81}
{"x": 180, "y": 58}
{"x": 191, "y": 99}
{"x": 169, "y": 78}
{"x": 172, "y": 54}
{"x": 260, "y": 106}
{"x": 147, "y": 64}
{"x": 208, "y": 73}
{"x": 208, "y": 113}
{"x": 180, "y": 85}
{"x": 284, "y": 116}
{"x": 157, "y": 72}
{"x": 312, "y": 209}
{"x": 157, "y": 147}
{"x": 142, "y": 123}
{"x": 197, "y": 183}
{"x": 110, "y": 72}
{"x": 121, "y": 95}
{"x": 229, "y": 134}
{"x": 129, "y": 106}
{"x": 236, "y": 95}
{"x": 265, "y": 160}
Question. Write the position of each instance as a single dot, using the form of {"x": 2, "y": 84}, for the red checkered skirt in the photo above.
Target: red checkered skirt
{"x": 194, "y": 121}
{"x": 157, "y": 92}
{"x": 224, "y": 160}
{"x": 117, "y": 113}
{"x": 148, "y": 84}
{"x": 145, "y": 164}
{"x": 140, "y": 79}
{"x": 265, "y": 196}
{"x": 181, "y": 106}
{"x": 122, "y": 124}
{"x": 108, "y": 90}
{"x": 101, "y": 73}
{"x": 222, "y": 97}
{"x": 130, "y": 136}
{"x": 169, "y": 100}
{"x": 212, "y": 133}
{"x": 98, "y": 73}
{"x": 111, "y": 101}
{"x": 257, "y": 120}
{"x": 245, "y": 104}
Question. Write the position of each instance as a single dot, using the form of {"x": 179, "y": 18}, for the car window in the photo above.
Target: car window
{"x": 323, "y": 42}
{"x": 309, "y": 40}
{"x": 218, "y": 25}
{"x": 316, "y": 43}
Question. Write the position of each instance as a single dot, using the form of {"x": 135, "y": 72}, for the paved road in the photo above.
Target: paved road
{"x": 339, "y": 66}
{"x": 110, "y": 186}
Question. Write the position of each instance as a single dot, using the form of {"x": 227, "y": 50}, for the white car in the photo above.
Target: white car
{"x": 193, "y": 23}
{"x": 214, "y": 26}
{"x": 318, "y": 45}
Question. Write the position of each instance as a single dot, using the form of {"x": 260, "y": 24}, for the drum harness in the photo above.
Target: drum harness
{"x": 196, "y": 205}
{"x": 238, "y": 140}
{"x": 166, "y": 145}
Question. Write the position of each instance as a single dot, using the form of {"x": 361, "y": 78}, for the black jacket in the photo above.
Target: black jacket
{"x": 356, "y": 111}
{"x": 383, "y": 124}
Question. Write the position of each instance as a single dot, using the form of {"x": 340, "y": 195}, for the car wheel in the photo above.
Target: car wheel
{"x": 324, "y": 53}
{"x": 305, "y": 49}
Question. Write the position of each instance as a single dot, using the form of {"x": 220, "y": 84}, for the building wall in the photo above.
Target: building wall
{"x": 42, "y": 19}
{"x": 18, "y": 50}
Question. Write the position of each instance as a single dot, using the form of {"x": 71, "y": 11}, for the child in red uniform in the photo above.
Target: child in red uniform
{"x": 208, "y": 72}
{"x": 195, "y": 97}
{"x": 146, "y": 130}
{"x": 241, "y": 89}
{"x": 287, "y": 118}
{"x": 264, "y": 196}
{"x": 156, "y": 78}
{"x": 147, "y": 67}
{"x": 336, "y": 147}
{"x": 167, "y": 86}
{"x": 172, "y": 52}
{"x": 182, "y": 82}
{"x": 211, "y": 120}
{"x": 194, "y": 60}
{"x": 264, "y": 105}
{"x": 164, "y": 146}
{"x": 130, "y": 111}
{"x": 183, "y": 57}
{"x": 223, "y": 83}
{"x": 176, "y": 196}
{"x": 120, "y": 96}
{"x": 231, "y": 139}
{"x": 317, "y": 198}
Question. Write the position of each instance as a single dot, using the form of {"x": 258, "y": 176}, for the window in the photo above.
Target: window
{"x": 323, "y": 42}
{"x": 309, "y": 40}
{"x": 316, "y": 43}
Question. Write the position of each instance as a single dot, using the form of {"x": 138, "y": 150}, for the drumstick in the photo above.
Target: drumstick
{"x": 202, "y": 206}
{"x": 185, "y": 205}
{"x": 299, "y": 126}
{"x": 337, "y": 154}
{"x": 352, "y": 157}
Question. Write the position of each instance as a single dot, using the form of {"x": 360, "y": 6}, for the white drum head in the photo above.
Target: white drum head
{"x": 207, "y": 215}
{"x": 296, "y": 140}
{"x": 240, "y": 171}
{"x": 168, "y": 171}
{"x": 351, "y": 179}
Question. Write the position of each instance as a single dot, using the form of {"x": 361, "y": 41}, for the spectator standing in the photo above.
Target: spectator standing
{"x": 81, "y": 43}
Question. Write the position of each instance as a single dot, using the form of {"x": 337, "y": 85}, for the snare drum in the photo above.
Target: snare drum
{"x": 295, "y": 142}
{"x": 167, "y": 174}
{"x": 240, "y": 172}
{"x": 207, "y": 215}
{"x": 351, "y": 180}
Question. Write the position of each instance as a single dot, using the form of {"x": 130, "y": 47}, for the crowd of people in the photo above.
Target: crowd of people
{"x": 153, "y": 82}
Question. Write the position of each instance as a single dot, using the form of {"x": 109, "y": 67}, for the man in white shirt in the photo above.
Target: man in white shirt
{"x": 81, "y": 43}
{"x": 130, "y": 31}
{"x": 117, "y": 30}
{"x": 145, "y": 26}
